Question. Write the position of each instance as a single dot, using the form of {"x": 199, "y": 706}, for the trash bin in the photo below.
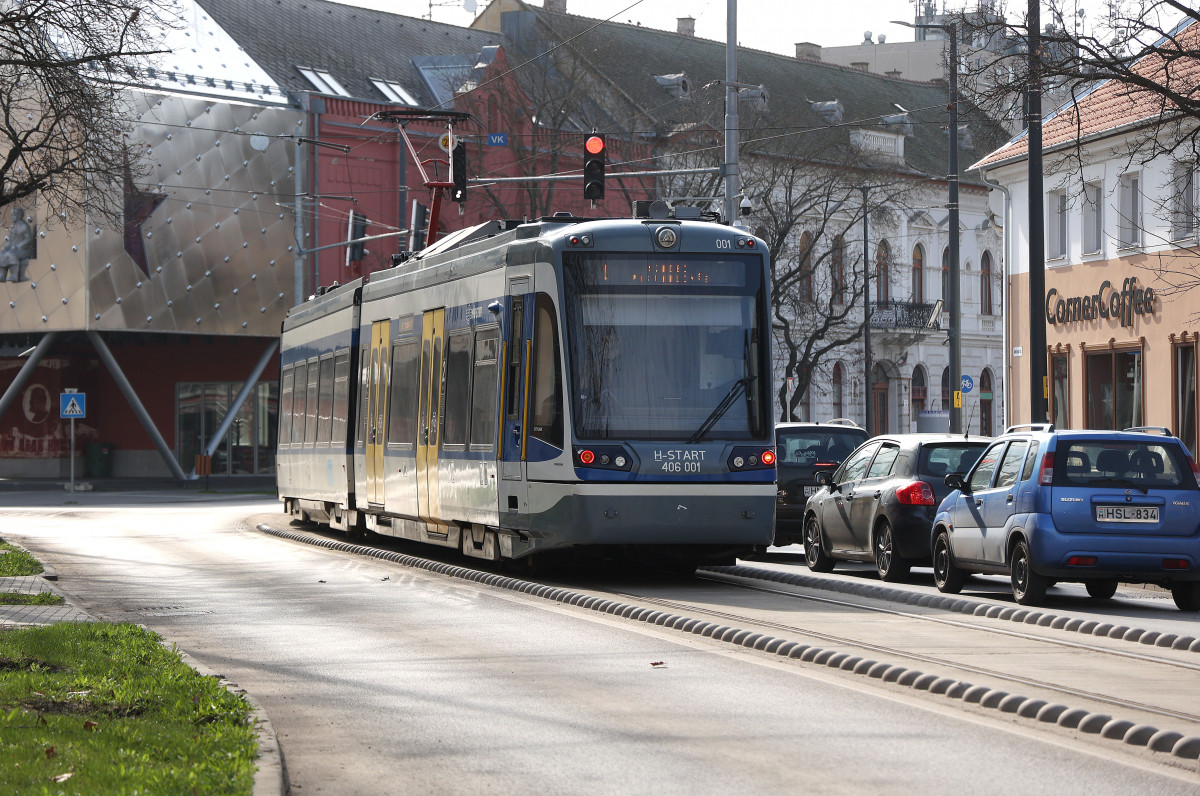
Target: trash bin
{"x": 99, "y": 459}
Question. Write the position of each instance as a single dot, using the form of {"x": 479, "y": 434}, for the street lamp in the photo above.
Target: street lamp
{"x": 952, "y": 300}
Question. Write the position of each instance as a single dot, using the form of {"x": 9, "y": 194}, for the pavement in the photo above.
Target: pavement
{"x": 269, "y": 779}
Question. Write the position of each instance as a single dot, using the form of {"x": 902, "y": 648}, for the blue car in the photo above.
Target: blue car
{"x": 1097, "y": 507}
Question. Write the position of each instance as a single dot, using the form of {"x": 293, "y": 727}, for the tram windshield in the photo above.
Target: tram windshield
{"x": 658, "y": 342}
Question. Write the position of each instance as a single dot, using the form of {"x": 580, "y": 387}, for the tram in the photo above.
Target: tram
{"x": 524, "y": 387}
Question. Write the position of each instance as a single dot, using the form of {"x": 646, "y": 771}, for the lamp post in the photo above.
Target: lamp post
{"x": 867, "y": 424}
{"x": 952, "y": 299}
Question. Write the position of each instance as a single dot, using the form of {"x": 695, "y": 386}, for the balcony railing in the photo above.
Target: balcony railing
{"x": 903, "y": 315}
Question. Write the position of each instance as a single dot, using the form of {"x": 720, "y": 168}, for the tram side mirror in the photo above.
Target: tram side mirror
{"x": 956, "y": 481}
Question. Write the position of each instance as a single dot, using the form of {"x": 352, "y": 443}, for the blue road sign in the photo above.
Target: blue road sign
{"x": 72, "y": 405}
{"x": 497, "y": 139}
{"x": 967, "y": 383}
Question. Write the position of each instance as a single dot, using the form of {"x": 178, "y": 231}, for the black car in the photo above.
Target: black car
{"x": 801, "y": 449}
{"x": 879, "y": 505}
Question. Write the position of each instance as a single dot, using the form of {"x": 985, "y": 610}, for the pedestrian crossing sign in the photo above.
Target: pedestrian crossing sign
{"x": 72, "y": 405}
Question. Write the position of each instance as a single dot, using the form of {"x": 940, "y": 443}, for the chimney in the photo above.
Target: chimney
{"x": 862, "y": 66}
{"x": 893, "y": 73}
{"x": 808, "y": 51}
{"x": 557, "y": 6}
{"x": 686, "y": 26}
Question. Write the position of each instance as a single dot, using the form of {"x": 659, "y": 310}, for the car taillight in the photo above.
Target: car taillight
{"x": 1081, "y": 561}
{"x": 1195, "y": 469}
{"x": 1175, "y": 563}
{"x": 826, "y": 465}
{"x": 918, "y": 493}
{"x": 1046, "y": 473}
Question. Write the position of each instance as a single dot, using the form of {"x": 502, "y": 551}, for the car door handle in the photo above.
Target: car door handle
{"x": 978, "y": 503}
{"x": 1009, "y": 499}
{"x": 877, "y": 494}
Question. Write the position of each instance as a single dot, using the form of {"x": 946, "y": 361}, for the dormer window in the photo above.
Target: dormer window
{"x": 830, "y": 111}
{"x": 755, "y": 98}
{"x": 678, "y": 86}
{"x": 394, "y": 91}
{"x": 323, "y": 81}
{"x": 898, "y": 123}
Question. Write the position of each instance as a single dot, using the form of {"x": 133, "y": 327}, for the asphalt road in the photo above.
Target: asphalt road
{"x": 382, "y": 679}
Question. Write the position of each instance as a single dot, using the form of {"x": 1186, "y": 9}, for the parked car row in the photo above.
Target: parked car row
{"x": 1037, "y": 504}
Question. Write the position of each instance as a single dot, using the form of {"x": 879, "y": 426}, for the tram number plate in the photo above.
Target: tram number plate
{"x": 1127, "y": 513}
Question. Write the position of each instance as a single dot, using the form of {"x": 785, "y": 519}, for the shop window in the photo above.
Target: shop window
{"x": 918, "y": 392}
{"x": 1093, "y": 219}
{"x": 1185, "y": 396}
{"x": 248, "y": 446}
{"x": 1114, "y": 389}
{"x": 1059, "y": 391}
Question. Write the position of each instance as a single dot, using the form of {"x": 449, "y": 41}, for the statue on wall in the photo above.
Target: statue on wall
{"x": 19, "y": 250}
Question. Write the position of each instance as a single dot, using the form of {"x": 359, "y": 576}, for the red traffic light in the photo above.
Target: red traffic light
{"x": 594, "y": 145}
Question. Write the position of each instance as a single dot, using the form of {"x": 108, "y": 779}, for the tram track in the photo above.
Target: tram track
{"x": 1095, "y": 683}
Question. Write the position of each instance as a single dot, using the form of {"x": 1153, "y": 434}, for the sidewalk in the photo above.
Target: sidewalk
{"x": 36, "y": 614}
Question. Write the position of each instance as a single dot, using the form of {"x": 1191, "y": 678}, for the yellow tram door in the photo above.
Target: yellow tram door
{"x": 377, "y": 394}
{"x": 429, "y": 420}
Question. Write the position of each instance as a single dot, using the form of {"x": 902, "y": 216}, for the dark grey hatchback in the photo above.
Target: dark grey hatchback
{"x": 879, "y": 505}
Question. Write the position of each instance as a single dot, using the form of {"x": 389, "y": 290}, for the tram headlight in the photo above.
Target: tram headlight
{"x": 619, "y": 461}
{"x": 738, "y": 461}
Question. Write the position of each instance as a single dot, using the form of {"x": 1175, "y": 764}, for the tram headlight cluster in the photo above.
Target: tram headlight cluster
{"x": 747, "y": 458}
{"x": 607, "y": 457}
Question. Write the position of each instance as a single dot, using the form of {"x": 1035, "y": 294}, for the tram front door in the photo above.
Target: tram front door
{"x": 429, "y": 420}
{"x": 377, "y": 380}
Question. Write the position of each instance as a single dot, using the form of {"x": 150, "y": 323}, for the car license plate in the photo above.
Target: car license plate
{"x": 1127, "y": 513}
{"x": 809, "y": 491}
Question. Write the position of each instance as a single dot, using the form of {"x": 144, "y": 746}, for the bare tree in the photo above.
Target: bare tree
{"x": 63, "y": 116}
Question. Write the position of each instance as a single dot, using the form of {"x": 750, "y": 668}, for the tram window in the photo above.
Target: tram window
{"x": 298, "y": 397}
{"x": 285, "y": 406}
{"x": 402, "y": 410}
{"x": 483, "y": 389}
{"x": 458, "y": 388}
{"x": 341, "y": 396}
{"x": 547, "y": 422}
{"x": 364, "y": 395}
{"x": 310, "y": 404}
{"x": 325, "y": 401}
{"x": 515, "y": 350}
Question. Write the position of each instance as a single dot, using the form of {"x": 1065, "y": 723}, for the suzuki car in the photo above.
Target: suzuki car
{"x": 1097, "y": 507}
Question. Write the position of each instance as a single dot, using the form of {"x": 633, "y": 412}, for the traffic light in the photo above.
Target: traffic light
{"x": 416, "y": 227}
{"x": 358, "y": 229}
{"x": 459, "y": 167}
{"x": 594, "y": 151}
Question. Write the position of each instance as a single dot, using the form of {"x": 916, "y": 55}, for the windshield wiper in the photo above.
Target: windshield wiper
{"x": 1121, "y": 482}
{"x": 723, "y": 407}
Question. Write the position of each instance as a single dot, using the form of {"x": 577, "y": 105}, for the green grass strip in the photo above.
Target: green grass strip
{"x": 15, "y": 562}
{"x": 94, "y": 708}
{"x": 38, "y": 598}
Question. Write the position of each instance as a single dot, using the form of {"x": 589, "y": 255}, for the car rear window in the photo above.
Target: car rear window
{"x": 942, "y": 459}
{"x": 824, "y": 446}
{"x": 1119, "y": 463}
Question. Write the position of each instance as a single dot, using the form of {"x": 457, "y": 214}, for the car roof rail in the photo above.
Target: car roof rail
{"x": 1163, "y": 430}
{"x": 843, "y": 421}
{"x": 1030, "y": 427}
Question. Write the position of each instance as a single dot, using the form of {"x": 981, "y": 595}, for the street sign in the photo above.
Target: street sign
{"x": 967, "y": 383}
{"x": 72, "y": 405}
{"x": 447, "y": 142}
{"x": 958, "y": 399}
{"x": 497, "y": 139}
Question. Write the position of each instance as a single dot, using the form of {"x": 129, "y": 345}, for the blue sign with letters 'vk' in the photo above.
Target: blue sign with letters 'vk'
{"x": 497, "y": 139}
{"x": 72, "y": 405}
{"x": 967, "y": 383}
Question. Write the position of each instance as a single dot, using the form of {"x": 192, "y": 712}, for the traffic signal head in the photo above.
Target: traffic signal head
{"x": 459, "y": 166}
{"x": 594, "y": 157}
{"x": 358, "y": 229}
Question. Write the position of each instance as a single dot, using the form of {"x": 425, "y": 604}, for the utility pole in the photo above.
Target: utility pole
{"x": 733, "y": 187}
{"x": 1037, "y": 232}
{"x": 952, "y": 298}
{"x": 866, "y": 314}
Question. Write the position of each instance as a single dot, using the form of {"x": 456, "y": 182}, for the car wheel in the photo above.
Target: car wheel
{"x": 1102, "y": 589}
{"x": 946, "y": 574}
{"x": 814, "y": 553}
{"x": 890, "y": 565}
{"x": 1028, "y": 587}
{"x": 1187, "y": 596}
